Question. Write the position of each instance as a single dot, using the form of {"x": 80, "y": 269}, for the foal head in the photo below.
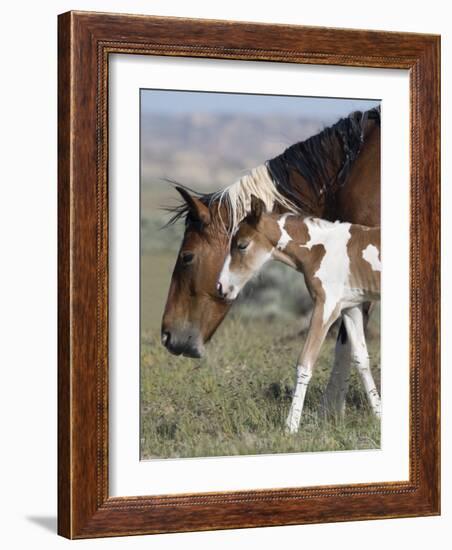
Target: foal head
{"x": 250, "y": 250}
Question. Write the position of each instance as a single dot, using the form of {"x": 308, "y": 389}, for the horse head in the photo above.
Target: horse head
{"x": 194, "y": 309}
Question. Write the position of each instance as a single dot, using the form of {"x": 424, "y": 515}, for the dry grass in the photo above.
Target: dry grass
{"x": 235, "y": 400}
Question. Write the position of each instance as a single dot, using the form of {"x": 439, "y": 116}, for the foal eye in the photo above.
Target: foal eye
{"x": 187, "y": 257}
{"x": 242, "y": 245}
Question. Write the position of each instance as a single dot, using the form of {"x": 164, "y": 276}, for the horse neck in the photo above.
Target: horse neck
{"x": 288, "y": 234}
{"x": 311, "y": 176}
{"x": 303, "y": 240}
{"x": 358, "y": 200}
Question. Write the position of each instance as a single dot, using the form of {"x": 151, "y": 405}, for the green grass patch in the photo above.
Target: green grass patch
{"x": 236, "y": 399}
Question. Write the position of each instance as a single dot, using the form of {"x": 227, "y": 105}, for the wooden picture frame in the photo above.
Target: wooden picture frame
{"x": 85, "y": 42}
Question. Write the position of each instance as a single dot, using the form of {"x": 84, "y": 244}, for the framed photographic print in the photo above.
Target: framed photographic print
{"x": 248, "y": 275}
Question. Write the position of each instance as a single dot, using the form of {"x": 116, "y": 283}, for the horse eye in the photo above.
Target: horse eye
{"x": 187, "y": 257}
{"x": 242, "y": 245}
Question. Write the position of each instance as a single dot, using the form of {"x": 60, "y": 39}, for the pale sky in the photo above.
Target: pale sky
{"x": 180, "y": 102}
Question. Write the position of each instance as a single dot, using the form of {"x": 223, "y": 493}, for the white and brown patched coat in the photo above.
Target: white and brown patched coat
{"x": 340, "y": 261}
{"x": 342, "y": 268}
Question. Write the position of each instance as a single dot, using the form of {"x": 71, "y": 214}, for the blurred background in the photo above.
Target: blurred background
{"x": 207, "y": 141}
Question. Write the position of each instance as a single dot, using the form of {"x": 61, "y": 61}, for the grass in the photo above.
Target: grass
{"x": 156, "y": 273}
{"x": 236, "y": 399}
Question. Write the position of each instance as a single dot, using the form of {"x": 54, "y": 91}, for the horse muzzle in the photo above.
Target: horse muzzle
{"x": 183, "y": 342}
{"x": 228, "y": 293}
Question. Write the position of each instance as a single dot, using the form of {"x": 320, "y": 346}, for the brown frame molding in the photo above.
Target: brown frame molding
{"x": 85, "y": 41}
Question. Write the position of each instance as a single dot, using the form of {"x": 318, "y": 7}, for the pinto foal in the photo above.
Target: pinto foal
{"x": 341, "y": 266}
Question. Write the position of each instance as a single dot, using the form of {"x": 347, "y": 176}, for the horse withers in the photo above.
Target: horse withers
{"x": 341, "y": 266}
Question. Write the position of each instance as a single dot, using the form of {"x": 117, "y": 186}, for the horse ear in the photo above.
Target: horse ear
{"x": 197, "y": 208}
{"x": 257, "y": 209}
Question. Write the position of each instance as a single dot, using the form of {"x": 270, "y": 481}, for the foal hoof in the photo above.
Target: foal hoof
{"x": 291, "y": 429}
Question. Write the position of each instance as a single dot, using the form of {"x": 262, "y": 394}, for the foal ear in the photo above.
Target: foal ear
{"x": 198, "y": 209}
{"x": 257, "y": 209}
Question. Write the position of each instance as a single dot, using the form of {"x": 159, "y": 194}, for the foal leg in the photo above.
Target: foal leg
{"x": 354, "y": 322}
{"x": 333, "y": 400}
{"x": 318, "y": 329}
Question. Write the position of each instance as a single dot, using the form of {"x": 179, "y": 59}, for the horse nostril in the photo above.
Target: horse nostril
{"x": 165, "y": 337}
{"x": 220, "y": 289}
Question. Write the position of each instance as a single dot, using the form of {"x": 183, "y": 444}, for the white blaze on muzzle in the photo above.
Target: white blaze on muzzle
{"x": 229, "y": 285}
{"x": 231, "y": 282}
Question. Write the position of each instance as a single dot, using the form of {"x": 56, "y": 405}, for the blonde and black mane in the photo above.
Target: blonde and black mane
{"x": 323, "y": 160}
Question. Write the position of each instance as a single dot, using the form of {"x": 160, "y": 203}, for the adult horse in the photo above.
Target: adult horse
{"x": 333, "y": 175}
